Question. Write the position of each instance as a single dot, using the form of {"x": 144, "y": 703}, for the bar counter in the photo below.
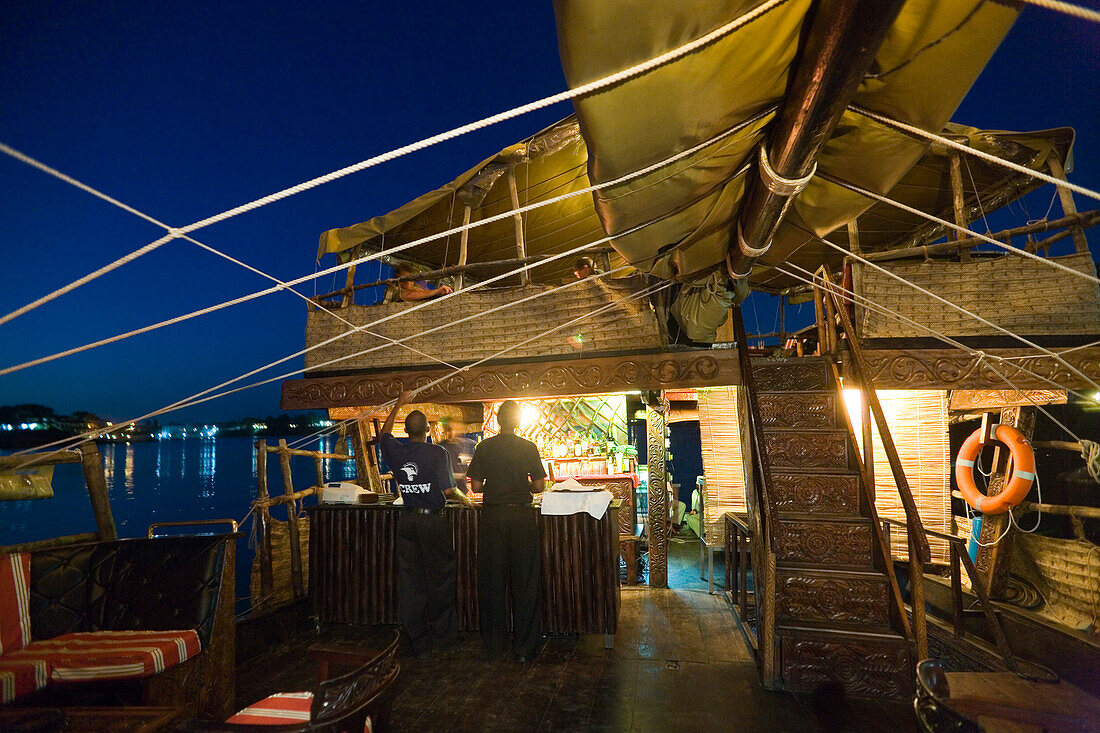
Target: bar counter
{"x": 353, "y": 567}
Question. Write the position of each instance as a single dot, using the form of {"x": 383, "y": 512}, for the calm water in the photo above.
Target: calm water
{"x": 165, "y": 481}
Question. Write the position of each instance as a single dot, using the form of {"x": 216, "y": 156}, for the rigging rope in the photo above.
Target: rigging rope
{"x": 580, "y": 91}
{"x": 962, "y": 310}
{"x": 918, "y": 132}
{"x": 1068, "y": 8}
{"x": 951, "y": 225}
{"x": 423, "y": 240}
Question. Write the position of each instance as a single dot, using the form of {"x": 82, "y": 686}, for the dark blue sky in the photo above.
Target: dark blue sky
{"x": 185, "y": 109}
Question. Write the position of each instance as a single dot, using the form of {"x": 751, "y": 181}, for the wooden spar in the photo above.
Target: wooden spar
{"x": 40, "y": 459}
{"x": 263, "y": 523}
{"x": 958, "y": 201}
{"x": 521, "y": 246}
{"x": 839, "y": 46}
{"x": 463, "y": 245}
{"x": 1086, "y": 219}
{"x": 1068, "y": 206}
{"x": 97, "y": 491}
{"x": 1084, "y": 512}
{"x": 458, "y": 270}
{"x": 309, "y": 453}
{"x": 349, "y": 293}
{"x": 853, "y": 236}
{"x": 292, "y": 523}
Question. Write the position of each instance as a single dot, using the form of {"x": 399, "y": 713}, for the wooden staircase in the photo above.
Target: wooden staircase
{"x": 838, "y": 618}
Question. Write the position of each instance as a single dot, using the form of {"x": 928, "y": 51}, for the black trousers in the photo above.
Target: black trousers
{"x": 508, "y": 550}
{"x": 426, "y": 577}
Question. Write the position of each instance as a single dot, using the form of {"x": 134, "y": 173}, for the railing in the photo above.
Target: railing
{"x": 959, "y": 555}
{"x": 835, "y": 308}
{"x": 763, "y": 559}
{"x": 738, "y": 540}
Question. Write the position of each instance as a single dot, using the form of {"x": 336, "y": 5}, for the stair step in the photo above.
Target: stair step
{"x": 817, "y": 493}
{"x": 840, "y": 543}
{"x": 798, "y": 448}
{"x": 836, "y": 597}
{"x": 865, "y": 664}
{"x": 791, "y": 375}
{"x": 800, "y": 410}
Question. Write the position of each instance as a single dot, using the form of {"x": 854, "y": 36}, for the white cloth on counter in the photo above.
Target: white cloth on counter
{"x": 572, "y": 497}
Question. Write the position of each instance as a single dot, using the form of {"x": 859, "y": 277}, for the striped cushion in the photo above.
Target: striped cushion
{"x": 22, "y": 676}
{"x": 15, "y": 615}
{"x": 282, "y": 708}
{"x": 112, "y": 655}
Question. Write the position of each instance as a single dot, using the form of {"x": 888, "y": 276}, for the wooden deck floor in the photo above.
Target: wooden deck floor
{"x": 678, "y": 663}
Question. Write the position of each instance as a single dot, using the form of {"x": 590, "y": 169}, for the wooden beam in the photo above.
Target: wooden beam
{"x": 958, "y": 199}
{"x": 655, "y": 418}
{"x": 521, "y": 247}
{"x": 97, "y": 491}
{"x": 292, "y": 523}
{"x": 853, "y": 236}
{"x": 263, "y": 523}
{"x": 349, "y": 291}
{"x": 554, "y": 378}
{"x": 1068, "y": 206}
{"x": 28, "y": 460}
{"x": 463, "y": 246}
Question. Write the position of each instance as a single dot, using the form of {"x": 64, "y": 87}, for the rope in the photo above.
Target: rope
{"x": 951, "y": 225}
{"x": 580, "y": 91}
{"x": 423, "y": 240}
{"x": 918, "y": 132}
{"x": 194, "y": 399}
{"x": 1090, "y": 451}
{"x": 964, "y": 311}
{"x": 1068, "y": 8}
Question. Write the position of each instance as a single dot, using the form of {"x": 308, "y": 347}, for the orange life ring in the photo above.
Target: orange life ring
{"x": 1021, "y": 468}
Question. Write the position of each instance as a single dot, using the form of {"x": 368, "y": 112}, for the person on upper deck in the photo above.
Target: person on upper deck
{"x": 425, "y": 547}
{"x": 584, "y": 267}
{"x": 410, "y": 290}
{"x": 507, "y": 468}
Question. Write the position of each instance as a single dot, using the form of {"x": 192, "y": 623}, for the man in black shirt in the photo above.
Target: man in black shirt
{"x": 508, "y": 470}
{"x": 425, "y": 546}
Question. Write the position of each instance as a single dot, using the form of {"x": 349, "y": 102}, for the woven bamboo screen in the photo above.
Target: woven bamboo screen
{"x": 720, "y": 434}
{"x": 918, "y": 422}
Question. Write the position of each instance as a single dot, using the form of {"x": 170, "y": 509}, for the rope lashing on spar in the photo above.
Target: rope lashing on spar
{"x": 1090, "y": 451}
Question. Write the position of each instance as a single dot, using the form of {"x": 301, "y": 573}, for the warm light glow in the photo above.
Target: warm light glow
{"x": 528, "y": 414}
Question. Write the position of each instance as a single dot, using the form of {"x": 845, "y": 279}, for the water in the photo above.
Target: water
{"x": 166, "y": 481}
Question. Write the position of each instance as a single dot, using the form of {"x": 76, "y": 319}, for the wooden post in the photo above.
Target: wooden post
{"x": 292, "y": 523}
{"x": 782, "y": 320}
{"x": 830, "y": 325}
{"x": 263, "y": 524}
{"x": 462, "y": 246}
{"x": 319, "y": 470}
{"x": 956, "y": 593}
{"x": 359, "y": 449}
{"x": 993, "y": 561}
{"x": 868, "y": 441}
{"x": 521, "y": 247}
{"x": 958, "y": 197}
{"x": 819, "y": 314}
{"x": 349, "y": 292}
{"x": 97, "y": 491}
{"x": 1068, "y": 206}
{"x": 658, "y": 494}
{"x": 853, "y": 237}
{"x": 916, "y": 597}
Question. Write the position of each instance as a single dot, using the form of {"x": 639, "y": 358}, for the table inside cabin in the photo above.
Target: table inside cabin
{"x": 353, "y": 567}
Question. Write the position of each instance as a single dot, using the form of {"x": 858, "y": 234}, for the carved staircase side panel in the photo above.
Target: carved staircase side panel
{"x": 808, "y": 450}
{"x": 864, "y": 667}
{"x": 791, "y": 376}
{"x": 824, "y": 543}
{"x": 804, "y": 596}
{"x": 793, "y": 410}
{"x": 818, "y": 493}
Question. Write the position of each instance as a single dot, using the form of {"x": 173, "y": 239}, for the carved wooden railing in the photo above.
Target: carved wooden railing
{"x": 919, "y": 553}
{"x": 762, "y": 537}
{"x": 959, "y": 555}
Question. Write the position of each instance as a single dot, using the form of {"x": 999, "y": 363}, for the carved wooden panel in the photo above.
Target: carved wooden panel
{"x": 953, "y": 369}
{"x": 807, "y": 450}
{"x": 557, "y": 378}
{"x": 812, "y": 410}
{"x": 865, "y": 667}
{"x": 994, "y": 399}
{"x": 824, "y": 493}
{"x": 790, "y": 375}
{"x": 841, "y": 599}
{"x": 658, "y": 495}
{"x": 824, "y": 542}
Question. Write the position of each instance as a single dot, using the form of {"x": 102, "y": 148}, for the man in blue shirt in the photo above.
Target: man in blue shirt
{"x": 425, "y": 544}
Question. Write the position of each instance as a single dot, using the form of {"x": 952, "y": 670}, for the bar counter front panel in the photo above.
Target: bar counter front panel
{"x": 353, "y": 567}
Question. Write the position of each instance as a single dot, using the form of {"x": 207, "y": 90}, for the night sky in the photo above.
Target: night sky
{"x": 185, "y": 109}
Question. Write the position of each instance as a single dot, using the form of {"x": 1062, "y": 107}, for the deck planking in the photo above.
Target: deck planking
{"x": 679, "y": 662}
